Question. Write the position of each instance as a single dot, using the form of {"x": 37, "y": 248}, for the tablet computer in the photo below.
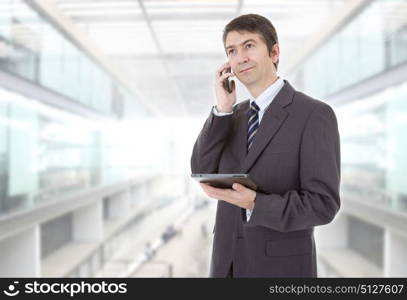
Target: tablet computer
{"x": 225, "y": 181}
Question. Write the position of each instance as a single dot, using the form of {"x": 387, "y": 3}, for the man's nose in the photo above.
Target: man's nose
{"x": 242, "y": 58}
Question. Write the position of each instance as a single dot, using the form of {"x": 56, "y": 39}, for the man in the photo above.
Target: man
{"x": 289, "y": 145}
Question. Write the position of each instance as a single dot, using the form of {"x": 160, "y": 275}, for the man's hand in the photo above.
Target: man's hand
{"x": 224, "y": 99}
{"x": 239, "y": 195}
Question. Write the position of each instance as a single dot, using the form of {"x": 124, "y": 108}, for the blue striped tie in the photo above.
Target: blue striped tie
{"x": 253, "y": 123}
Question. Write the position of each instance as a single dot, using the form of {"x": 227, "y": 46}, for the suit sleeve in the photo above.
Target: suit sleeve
{"x": 210, "y": 143}
{"x": 317, "y": 201}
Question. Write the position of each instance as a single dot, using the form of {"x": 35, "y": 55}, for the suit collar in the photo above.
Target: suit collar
{"x": 283, "y": 98}
{"x": 268, "y": 95}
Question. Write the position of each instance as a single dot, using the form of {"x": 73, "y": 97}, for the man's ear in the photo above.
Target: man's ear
{"x": 275, "y": 53}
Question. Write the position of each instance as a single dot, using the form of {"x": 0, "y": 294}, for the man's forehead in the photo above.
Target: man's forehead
{"x": 235, "y": 38}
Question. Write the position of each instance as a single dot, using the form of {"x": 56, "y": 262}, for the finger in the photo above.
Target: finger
{"x": 205, "y": 189}
{"x": 212, "y": 188}
{"x": 223, "y": 67}
{"x": 220, "y": 193}
{"x": 224, "y": 71}
{"x": 214, "y": 192}
{"x": 208, "y": 189}
{"x": 238, "y": 187}
{"x": 223, "y": 77}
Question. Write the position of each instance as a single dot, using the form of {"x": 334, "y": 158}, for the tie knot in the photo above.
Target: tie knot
{"x": 254, "y": 106}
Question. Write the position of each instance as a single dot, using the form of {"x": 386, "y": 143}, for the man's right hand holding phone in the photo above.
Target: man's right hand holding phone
{"x": 225, "y": 99}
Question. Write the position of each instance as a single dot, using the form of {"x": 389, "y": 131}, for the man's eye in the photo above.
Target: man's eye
{"x": 230, "y": 51}
{"x": 249, "y": 44}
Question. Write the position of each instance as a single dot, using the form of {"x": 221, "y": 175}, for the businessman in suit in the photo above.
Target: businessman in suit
{"x": 287, "y": 142}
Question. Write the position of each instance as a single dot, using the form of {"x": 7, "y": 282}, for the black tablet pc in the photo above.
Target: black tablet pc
{"x": 225, "y": 181}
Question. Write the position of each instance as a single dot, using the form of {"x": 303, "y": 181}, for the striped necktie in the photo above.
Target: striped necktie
{"x": 253, "y": 123}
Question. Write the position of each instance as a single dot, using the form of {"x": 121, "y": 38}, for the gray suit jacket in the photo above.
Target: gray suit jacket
{"x": 295, "y": 161}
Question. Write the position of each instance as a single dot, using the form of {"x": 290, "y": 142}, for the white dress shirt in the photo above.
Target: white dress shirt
{"x": 263, "y": 101}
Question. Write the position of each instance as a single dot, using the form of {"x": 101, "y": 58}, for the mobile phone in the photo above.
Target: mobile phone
{"x": 228, "y": 84}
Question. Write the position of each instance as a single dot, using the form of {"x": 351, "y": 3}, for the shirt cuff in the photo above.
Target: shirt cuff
{"x": 248, "y": 214}
{"x": 220, "y": 114}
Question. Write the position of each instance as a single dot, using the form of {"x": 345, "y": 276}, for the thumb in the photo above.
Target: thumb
{"x": 238, "y": 187}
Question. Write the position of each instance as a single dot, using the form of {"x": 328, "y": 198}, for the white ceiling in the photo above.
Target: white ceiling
{"x": 170, "y": 49}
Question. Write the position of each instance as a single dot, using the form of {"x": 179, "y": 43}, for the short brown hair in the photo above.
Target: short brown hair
{"x": 255, "y": 24}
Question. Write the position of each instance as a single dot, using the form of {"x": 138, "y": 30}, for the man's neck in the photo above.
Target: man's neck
{"x": 255, "y": 91}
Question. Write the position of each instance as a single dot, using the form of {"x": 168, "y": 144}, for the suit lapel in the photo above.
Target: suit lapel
{"x": 273, "y": 118}
{"x": 241, "y": 130}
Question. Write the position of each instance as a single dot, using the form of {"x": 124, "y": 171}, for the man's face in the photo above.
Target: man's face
{"x": 249, "y": 58}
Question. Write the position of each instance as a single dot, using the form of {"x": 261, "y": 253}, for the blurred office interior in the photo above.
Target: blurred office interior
{"x": 102, "y": 100}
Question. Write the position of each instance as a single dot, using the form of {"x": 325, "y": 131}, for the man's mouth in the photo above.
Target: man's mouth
{"x": 245, "y": 70}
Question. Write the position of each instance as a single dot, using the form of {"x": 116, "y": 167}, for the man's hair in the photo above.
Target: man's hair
{"x": 255, "y": 24}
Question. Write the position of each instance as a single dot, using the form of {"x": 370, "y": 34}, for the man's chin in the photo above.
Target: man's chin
{"x": 248, "y": 82}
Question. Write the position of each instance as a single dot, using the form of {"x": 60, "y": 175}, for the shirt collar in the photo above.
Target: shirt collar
{"x": 267, "y": 96}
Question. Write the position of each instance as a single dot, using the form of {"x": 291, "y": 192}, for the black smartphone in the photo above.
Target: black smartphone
{"x": 228, "y": 84}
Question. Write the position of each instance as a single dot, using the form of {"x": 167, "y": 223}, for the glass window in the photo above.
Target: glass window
{"x": 5, "y": 19}
{"x": 85, "y": 85}
{"x": 51, "y": 59}
{"x": 70, "y": 70}
{"x": 22, "y": 152}
{"x": 374, "y": 40}
{"x": 375, "y": 126}
{"x": 397, "y": 43}
{"x": 372, "y": 55}
{"x": 25, "y": 38}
